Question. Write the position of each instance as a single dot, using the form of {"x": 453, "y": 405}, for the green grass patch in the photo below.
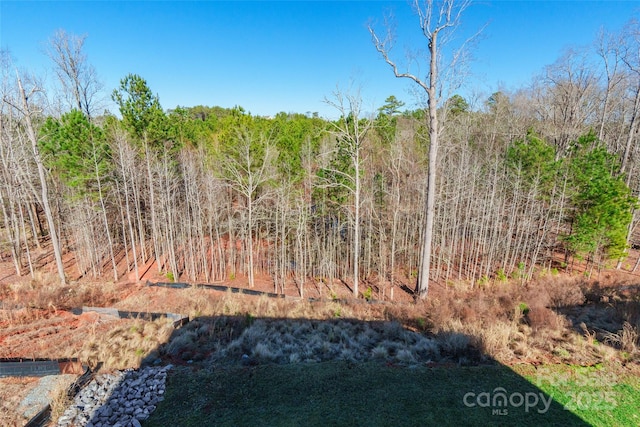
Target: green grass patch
{"x": 360, "y": 394}
{"x": 600, "y": 395}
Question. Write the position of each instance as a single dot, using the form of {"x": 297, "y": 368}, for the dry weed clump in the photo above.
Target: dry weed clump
{"x": 265, "y": 306}
{"x": 41, "y": 292}
{"x": 437, "y": 313}
{"x": 184, "y": 342}
{"x": 454, "y": 344}
{"x": 511, "y": 322}
{"x": 44, "y": 291}
{"x": 59, "y": 402}
{"x": 199, "y": 302}
{"x": 126, "y": 345}
{"x": 292, "y": 341}
{"x": 545, "y": 318}
{"x": 15, "y": 318}
{"x": 569, "y": 318}
{"x": 500, "y": 339}
{"x": 627, "y": 339}
{"x": 229, "y": 304}
{"x": 477, "y": 341}
{"x": 561, "y": 291}
{"x": 202, "y": 337}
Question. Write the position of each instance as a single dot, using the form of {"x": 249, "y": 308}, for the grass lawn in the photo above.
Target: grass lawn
{"x": 601, "y": 396}
{"x": 372, "y": 394}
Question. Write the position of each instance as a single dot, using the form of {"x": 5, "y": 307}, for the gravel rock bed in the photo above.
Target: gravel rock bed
{"x": 123, "y": 399}
{"x": 39, "y": 397}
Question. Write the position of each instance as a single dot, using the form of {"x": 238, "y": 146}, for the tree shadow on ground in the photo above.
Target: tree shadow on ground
{"x": 610, "y": 315}
{"x": 240, "y": 370}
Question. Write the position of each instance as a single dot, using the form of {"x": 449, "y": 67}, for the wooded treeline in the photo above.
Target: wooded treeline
{"x": 527, "y": 179}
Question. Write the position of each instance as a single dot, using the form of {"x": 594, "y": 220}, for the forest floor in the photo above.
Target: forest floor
{"x": 558, "y": 318}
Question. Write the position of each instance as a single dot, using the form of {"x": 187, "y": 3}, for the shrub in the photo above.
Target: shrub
{"x": 482, "y": 282}
{"x": 405, "y": 356}
{"x": 454, "y": 343}
{"x": 566, "y": 295}
{"x": 524, "y": 308}
{"x": 545, "y": 318}
{"x": 422, "y": 323}
{"x": 379, "y": 352}
{"x": 294, "y": 358}
{"x": 426, "y": 348}
{"x": 264, "y": 353}
{"x": 520, "y": 272}
{"x": 627, "y": 339}
{"x": 184, "y": 341}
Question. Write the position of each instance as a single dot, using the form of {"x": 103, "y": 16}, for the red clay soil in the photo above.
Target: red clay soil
{"x": 46, "y": 330}
{"x": 49, "y": 332}
{"x": 49, "y": 335}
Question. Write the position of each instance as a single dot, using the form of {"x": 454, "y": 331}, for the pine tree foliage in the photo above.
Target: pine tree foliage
{"x": 207, "y": 193}
{"x": 75, "y": 150}
{"x": 601, "y": 201}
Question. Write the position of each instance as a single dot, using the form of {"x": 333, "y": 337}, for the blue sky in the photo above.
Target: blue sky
{"x": 269, "y": 56}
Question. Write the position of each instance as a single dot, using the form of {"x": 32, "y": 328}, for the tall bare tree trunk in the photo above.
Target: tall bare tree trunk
{"x": 152, "y": 207}
{"x": 105, "y": 219}
{"x": 43, "y": 183}
{"x": 434, "y": 18}
{"x": 356, "y": 225}
{"x": 425, "y": 261}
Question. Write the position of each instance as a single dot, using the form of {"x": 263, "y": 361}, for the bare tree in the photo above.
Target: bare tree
{"x": 568, "y": 99}
{"x": 608, "y": 49}
{"x": 125, "y": 164}
{"x": 351, "y": 130}
{"x": 77, "y": 77}
{"x": 26, "y": 110}
{"x": 438, "y": 21}
{"x": 631, "y": 58}
{"x": 10, "y": 188}
{"x": 630, "y": 43}
{"x": 249, "y": 167}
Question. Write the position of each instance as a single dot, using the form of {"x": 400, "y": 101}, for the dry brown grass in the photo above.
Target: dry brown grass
{"x": 305, "y": 340}
{"x": 549, "y": 320}
{"x": 538, "y": 322}
{"x": 9, "y": 418}
{"x": 13, "y": 391}
{"x": 125, "y": 345}
{"x": 59, "y": 402}
{"x": 44, "y": 292}
{"x": 627, "y": 339}
{"x": 557, "y": 291}
{"x": 545, "y": 318}
{"x": 506, "y": 321}
{"x": 22, "y": 316}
